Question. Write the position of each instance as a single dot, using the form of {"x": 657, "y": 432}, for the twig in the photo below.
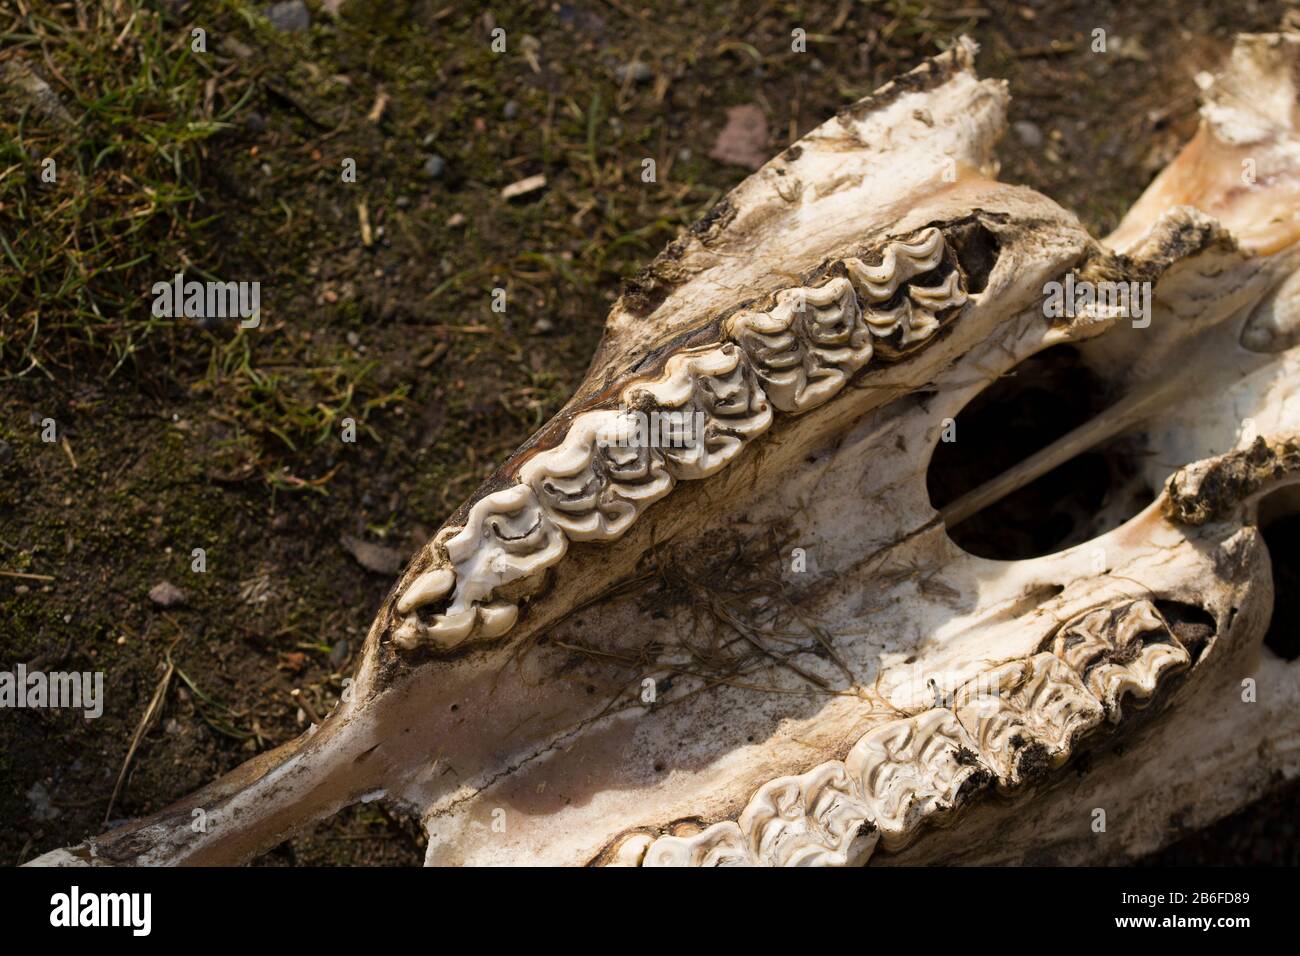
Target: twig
{"x": 150, "y": 714}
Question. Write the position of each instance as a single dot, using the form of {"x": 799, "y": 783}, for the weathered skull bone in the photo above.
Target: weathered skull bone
{"x": 600, "y": 658}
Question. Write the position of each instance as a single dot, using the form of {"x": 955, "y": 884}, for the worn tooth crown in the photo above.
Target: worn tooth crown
{"x": 708, "y": 403}
{"x": 600, "y": 478}
{"x": 1026, "y": 715}
{"x": 1007, "y": 725}
{"x": 912, "y": 769}
{"x": 1109, "y": 650}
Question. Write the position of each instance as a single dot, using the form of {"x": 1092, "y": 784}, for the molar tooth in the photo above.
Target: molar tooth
{"x": 715, "y": 387}
{"x": 814, "y": 819}
{"x": 409, "y": 634}
{"x": 632, "y": 851}
{"x": 899, "y": 262}
{"x": 1105, "y": 647}
{"x": 1026, "y": 715}
{"x": 935, "y": 299}
{"x": 912, "y": 770}
{"x": 808, "y": 346}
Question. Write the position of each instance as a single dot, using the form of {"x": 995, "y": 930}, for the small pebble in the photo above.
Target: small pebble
{"x": 510, "y": 110}
{"x": 1028, "y": 133}
{"x": 636, "y": 71}
{"x": 291, "y": 16}
{"x": 166, "y": 594}
{"x": 434, "y": 166}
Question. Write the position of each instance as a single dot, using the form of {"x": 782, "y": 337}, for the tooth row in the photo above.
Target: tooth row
{"x": 813, "y": 340}
{"x": 701, "y": 411}
{"x": 1006, "y": 726}
{"x": 704, "y": 407}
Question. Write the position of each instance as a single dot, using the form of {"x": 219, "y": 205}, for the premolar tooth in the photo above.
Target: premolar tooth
{"x": 409, "y": 634}
{"x": 432, "y": 585}
{"x": 719, "y": 845}
{"x": 452, "y": 628}
{"x": 497, "y": 618}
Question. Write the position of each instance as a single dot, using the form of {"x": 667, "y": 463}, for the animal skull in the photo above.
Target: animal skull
{"x": 605, "y": 656}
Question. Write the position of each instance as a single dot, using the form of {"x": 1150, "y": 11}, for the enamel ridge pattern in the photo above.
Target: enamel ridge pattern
{"x": 1006, "y": 727}
{"x": 604, "y": 473}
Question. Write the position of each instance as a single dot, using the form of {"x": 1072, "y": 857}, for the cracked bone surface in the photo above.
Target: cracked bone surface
{"x": 606, "y": 654}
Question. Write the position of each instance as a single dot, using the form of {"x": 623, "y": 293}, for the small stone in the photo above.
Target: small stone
{"x": 166, "y": 594}
{"x": 542, "y": 326}
{"x": 455, "y": 220}
{"x": 510, "y": 110}
{"x": 373, "y": 557}
{"x": 173, "y": 727}
{"x": 235, "y": 48}
{"x": 39, "y": 799}
{"x": 636, "y": 71}
{"x": 743, "y": 141}
{"x": 291, "y": 16}
{"x": 434, "y": 166}
{"x": 1028, "y": 133}
{"x": 353, "y": 339}
{"x": 21, "y": 589}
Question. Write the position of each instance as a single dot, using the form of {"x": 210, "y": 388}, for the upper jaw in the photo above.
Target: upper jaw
{"x": 647, "y": 564}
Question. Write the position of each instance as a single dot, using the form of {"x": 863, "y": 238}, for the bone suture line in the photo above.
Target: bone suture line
{"x": 1111, "y": 423}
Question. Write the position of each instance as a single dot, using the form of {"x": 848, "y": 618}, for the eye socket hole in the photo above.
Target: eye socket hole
{"x": 1279, "y": 522}
{"x": 1044, "y": 398}
{"x": 977, "y": 250}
